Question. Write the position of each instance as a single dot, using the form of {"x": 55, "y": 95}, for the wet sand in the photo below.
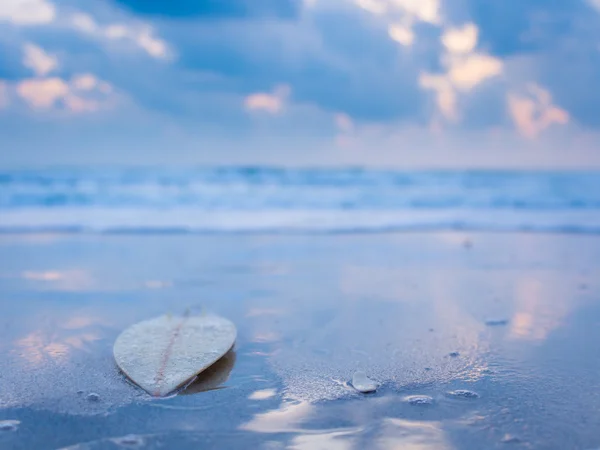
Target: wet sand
{"x": 511, "y": 318}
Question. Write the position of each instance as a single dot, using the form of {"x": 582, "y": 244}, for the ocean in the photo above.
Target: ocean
{"x": 308, "y": 200}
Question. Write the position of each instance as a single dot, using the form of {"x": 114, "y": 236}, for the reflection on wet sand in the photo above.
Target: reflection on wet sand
{"x": 540, "y": 309}
{"x": 395, "y": 306}
{"x": 291, "y": 418}
{"x": 76, "y": 333}
{"x": 412, "y": 435}
{"x": 62, "y": 280}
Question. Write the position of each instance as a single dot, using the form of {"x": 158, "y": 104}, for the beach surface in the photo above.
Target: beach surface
{"x": 477, "y": 340}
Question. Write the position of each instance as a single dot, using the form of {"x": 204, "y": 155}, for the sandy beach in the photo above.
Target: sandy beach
{"x": 511, "y": 318}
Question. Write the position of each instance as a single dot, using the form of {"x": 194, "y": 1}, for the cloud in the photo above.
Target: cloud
{"x": 402, "y": 15}
{"x": 141, "y": 35}
{"x": 460, "y": 40}
{"x": 38, "y": 60}
{"x": 465, "y": 73}
{"x": 89, "y": 82}
{"x": 42, "y": 94}
{"x": 402, "y": 33}
{"x": 270, "y": 102}
{"x": 445, "y": 94}
{"x": 27, "y": 12}
{"x": 465, "y": 69}
{"x": 533, "y": 111}
{"x": 83, "y": 93}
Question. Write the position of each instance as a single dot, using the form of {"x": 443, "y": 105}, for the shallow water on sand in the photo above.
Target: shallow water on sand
{"x": 487, "y": 345}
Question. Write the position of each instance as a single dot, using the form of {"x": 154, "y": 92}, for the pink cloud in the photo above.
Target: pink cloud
{"x": 42, "y": 94}
{"x": 272, "y": 103}
{"x": 533, "y": 112}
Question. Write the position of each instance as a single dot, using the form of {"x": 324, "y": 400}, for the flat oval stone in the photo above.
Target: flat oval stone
{"x": 162, "y": 354}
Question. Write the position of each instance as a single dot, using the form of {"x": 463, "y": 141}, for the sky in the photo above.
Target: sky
{"x": 394, "y": 83}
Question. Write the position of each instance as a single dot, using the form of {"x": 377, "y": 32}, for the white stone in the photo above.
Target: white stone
{"x": 362, "y": 383}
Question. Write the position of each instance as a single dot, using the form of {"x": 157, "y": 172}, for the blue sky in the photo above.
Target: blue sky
{"x": 406, "y": 83}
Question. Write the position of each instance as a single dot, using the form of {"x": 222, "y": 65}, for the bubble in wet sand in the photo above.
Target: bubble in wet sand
{"x": 419, "y": 400}
{"x": 130, "y": 440}
{"x": 9, "y": 425}
{"x": 463, "y": 393}
{"x": 93, "y": 397}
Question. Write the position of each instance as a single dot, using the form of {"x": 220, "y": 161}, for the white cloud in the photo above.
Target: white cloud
{"x": 154, "y": 46}
{"x": 84, "y": 93}
{"x": 445, "y": 94}
{"x": 42, "y": 94}
{"x": 460, "y": 40}
{"x": 84, "y": 22}
{"x": 595, "y": 4}
{"x": 116, "y": 31}
{"x": 401, "y": 33}
{"x": 140, "y": 35}
{"x": 270, "y": 102}
{"x": 465, "y": 69}
{"x": 27, "y": 12}
{"x": 533, "y": 111}
{"x": 38, "y": 60}
{"x": 373, "y": 6}
{"x": 423, "y": 10}
{"x": 465, "y": 73}
{"x": 89, "y": 82}
{"x": 401, "y": 15}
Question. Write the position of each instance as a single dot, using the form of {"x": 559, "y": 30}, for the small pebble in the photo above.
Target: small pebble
{"x": 454, "y": 354}
{"x": 362, "y": 383}
{"x": 9, "y": 425}
{"x": 419, "y": 400}
{"x": 463, "y": 393}
{"x": 93, "y": 397}
{"x": 427, "y": 369}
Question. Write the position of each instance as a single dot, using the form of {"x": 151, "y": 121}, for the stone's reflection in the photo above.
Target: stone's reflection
{"x": 214, "y": 377}
{"x": 412, "y": 435}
